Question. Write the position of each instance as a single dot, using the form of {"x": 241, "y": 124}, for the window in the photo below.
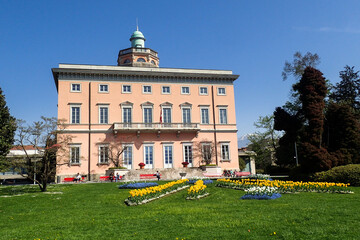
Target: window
{"x": 147, "y": 89}
{"x": 203, "y": 91}
{"x": 148, "y": 116}
{"x": 126, "y": 88}
{"x": 204, "y": 115}
{"x": 148, "y": 155}
{"x": 186, "y": 115}
{"x": 225, "y": 153}
{"x": 223, "y": 115}
{"x": 127, "y": 156}
{"x": 166, "y": 115}
{"x": 127, "y": 114}
{"x": 103, "y": 154}
{"x": 126, "y": 61}
{"x": 187, "y": 151}
{"x": 75, "y": 114}
{"x": 103, "y": 114}
{"x": 221, "y": 91}
{"x": 165, "y": 90}
{"x": 140, "y": 60}
{"x": 153, "y": 62}
{"x": 168, "y": 155}
{"x": 185, "y": 90}
{"x": 75, "y": 154}
{"x": 103, "y": 88}
{"x": 75, "y": 87}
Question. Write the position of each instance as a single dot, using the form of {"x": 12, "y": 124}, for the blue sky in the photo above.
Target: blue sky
{"x": 251, "y": 38}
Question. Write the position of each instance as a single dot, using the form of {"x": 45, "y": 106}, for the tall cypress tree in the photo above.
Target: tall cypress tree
{"x": 7, "y": 128}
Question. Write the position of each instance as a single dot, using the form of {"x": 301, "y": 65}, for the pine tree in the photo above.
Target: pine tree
{"x": 7, "y": 130}
{"x": 348, "y": 89}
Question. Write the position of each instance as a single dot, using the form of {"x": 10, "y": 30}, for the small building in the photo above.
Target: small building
{"x": 249, "y": 159}
{"x": 158, "y": 116}
{"x": 18, "y": 152}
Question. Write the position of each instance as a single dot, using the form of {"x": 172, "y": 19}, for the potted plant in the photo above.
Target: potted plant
{"x": 141, "y": 165}
{"x": 185, "y": 164}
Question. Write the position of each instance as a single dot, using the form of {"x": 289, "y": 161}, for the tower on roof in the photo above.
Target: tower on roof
{"x": 137, "y": 55}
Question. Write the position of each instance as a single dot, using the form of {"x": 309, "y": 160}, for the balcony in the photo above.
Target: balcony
{"x": 137, "y": 50}
{"x": 156, "y": 127}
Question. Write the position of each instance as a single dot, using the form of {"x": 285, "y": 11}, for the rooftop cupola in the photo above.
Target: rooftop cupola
{"x": 137, "y": 55}
{"x": 137, "y": 39}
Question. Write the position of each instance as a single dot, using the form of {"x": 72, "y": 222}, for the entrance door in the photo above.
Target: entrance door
{"x": 168, "y": 156}
{"x": 188, "y": 154}
{"x": 148, "y": 156}
{"x": 127, "y": 157}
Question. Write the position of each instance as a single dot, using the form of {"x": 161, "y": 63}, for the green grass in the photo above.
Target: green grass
{"x": 97, "y": 211}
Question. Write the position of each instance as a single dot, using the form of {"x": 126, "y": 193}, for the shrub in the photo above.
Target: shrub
{"x": 117, "y": 168}
{"x": 345, "y": 174}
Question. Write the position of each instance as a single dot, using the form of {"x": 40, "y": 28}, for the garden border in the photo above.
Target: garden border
{"x": 129, "y": 203}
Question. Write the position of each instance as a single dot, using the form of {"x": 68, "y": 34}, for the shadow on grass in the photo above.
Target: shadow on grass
{"x": 18, "y": 190}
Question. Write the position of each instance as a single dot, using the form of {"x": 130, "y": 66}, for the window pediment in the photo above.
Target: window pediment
{"x": 166, "y": 104}
{"x": 186, "y": 104}
{"x": 127, "y": 103}
{"x": 147, "y": 103}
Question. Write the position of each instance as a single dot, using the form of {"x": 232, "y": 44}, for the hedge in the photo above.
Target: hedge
{"x": 342, "y": 174}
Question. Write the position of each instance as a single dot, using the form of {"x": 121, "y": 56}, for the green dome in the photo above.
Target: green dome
{"x": 137, "y": 39}
{"x": 137, "y": 34}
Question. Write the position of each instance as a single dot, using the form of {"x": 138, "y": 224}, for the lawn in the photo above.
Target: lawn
{"x": 97, "y": 211}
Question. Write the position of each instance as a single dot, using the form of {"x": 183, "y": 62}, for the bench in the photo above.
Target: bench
{"x": 148, "y": 176}
{"x": 242, "y": 174}
{"x": 71, "y": 179}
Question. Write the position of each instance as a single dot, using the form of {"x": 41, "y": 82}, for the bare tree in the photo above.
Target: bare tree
{"x": 300, "y": 62}
{"x": 205, "y": 151}
{"x": 43, "y": 136}
{"x": 114, "y": 148}
{"x": 115, "y": 152}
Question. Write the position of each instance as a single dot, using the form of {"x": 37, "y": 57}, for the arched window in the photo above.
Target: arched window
{"x": 127, "y": 61}
{"x": 153, "y": 62}
{"x": 140, "y": 60}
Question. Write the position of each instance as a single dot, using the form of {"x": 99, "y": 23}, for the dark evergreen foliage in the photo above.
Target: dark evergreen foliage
{"x": 312, "y": 90}
{"x": 342, "y": 135}
{"x": 291, "y": 124}
{"x": 7, "y": 130}
{"x": 348, "y": 89}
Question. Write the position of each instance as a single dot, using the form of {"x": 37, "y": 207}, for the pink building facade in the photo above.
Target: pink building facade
{"x": 161, "y": 117}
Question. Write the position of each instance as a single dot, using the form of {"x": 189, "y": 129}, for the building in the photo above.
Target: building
{"x": 19, "y": 152}
{"x": 249, "y": 159}
{"x": 161, "y": 117}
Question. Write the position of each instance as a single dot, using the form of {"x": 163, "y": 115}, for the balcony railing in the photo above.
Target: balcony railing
{"x": 157, "y": 126}
{"x": 144, "y": 50}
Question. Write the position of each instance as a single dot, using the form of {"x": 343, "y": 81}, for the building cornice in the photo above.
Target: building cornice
{"x": 121, "y": 73}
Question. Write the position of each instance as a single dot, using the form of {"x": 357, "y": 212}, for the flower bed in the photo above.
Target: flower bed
{"x": 141, "y": 196}
{"x": 138, "y": 185}
{"x": 261, "y": 193}
{"x": 285, "y": 186}
{"x": 197, "y": 191}
{"x": 261, "y": 197}
{"x": 205, "y": 181}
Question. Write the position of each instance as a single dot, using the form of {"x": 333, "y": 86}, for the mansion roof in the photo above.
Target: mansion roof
{"x": 123, "y": 73}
